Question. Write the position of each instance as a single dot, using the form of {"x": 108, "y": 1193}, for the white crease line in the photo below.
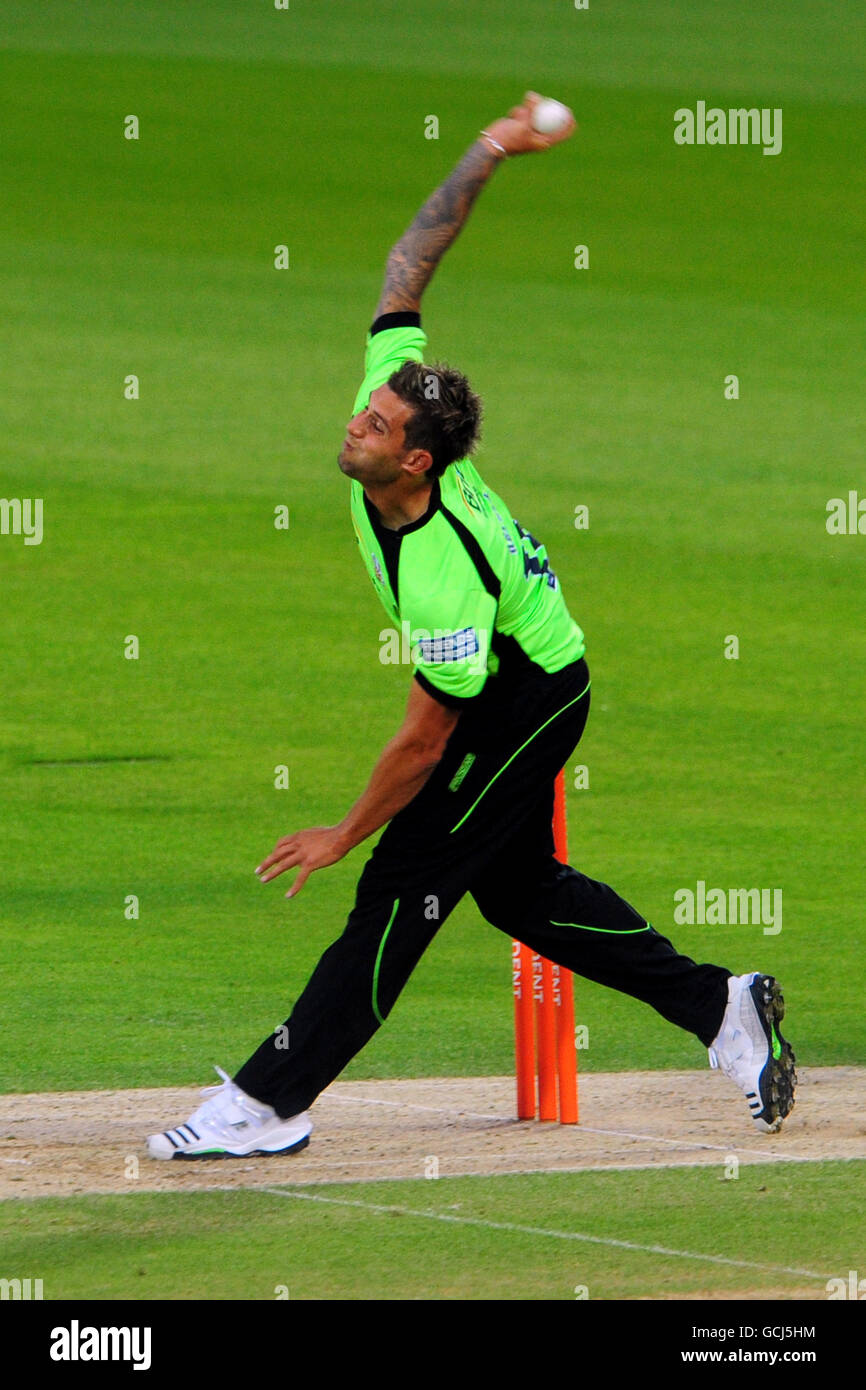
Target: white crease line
{"x": 661, "y": 1165}
{"x": 431, "y": 1109}
{"x": 446, "y": 1172}
{"x": 514, "y": 1228}
{"x": 680, "y": 1143}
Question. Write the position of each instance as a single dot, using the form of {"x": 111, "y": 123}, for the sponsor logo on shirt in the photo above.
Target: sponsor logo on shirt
{"x": 420, "y": 646}
{"x": 449, "y": 646}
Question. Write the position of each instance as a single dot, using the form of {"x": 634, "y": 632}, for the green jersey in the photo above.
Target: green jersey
{"x": 470, "y": 592}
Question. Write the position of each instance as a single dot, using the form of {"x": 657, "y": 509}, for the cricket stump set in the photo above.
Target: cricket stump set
{"x": 544, "y": 1042}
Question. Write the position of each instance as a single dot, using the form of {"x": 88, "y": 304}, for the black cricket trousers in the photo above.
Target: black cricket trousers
{"x": 481, "y": 824}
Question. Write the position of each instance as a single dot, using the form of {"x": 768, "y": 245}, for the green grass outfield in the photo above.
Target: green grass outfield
{"x": 260, "y": 647}
{"x": 776, "y": 1232}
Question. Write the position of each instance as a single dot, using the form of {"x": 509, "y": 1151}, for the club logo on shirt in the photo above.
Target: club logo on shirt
{"x": 467, "y": 493}
{"x": 376, "y": 566}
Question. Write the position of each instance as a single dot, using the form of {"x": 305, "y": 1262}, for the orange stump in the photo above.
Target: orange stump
{"x": 545, "y": 1043}
{"x": 566, "y": 1050}
{"x": 524, "y": 1043}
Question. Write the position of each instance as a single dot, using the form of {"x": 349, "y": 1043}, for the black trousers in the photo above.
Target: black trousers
{"x": 482, "y": 824}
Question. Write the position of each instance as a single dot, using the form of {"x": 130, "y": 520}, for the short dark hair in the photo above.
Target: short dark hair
{"x": 446, "y": 417}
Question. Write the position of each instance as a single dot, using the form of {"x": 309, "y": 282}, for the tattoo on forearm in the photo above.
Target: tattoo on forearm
{"x": 418, "y": 252}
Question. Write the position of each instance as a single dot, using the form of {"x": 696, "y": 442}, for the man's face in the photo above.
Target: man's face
{"x": 373, "y": 451}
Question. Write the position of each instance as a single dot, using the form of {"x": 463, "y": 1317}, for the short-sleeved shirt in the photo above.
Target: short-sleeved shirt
{"x": 470, "y": 592}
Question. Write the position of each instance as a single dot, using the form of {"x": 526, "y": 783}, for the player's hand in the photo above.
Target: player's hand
{"x": 305, "y": 850}
{"x": 516, "y": 135}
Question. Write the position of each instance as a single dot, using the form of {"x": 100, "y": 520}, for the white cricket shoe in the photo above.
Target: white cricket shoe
{"x": 231, "y": 1125}
{"x": 750, "y": 1049}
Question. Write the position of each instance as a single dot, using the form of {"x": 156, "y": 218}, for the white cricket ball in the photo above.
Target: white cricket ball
{"x": 550, "y": 116}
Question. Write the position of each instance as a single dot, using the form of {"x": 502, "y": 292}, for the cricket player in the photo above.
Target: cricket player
{"x": 498, "y": 699}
